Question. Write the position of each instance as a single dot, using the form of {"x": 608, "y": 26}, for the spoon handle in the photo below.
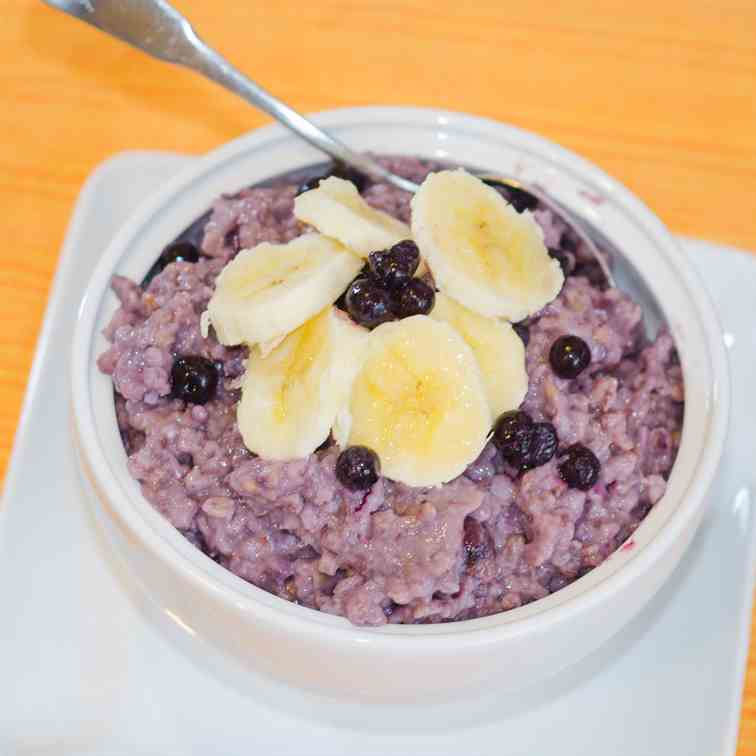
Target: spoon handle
{"x": 157, "y": 28}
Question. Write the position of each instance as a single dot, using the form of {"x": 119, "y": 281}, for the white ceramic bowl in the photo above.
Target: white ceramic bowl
{"x": 326, "y": 653}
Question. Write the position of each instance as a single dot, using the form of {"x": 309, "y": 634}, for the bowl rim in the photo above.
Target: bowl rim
{"x": 175, "y": 552}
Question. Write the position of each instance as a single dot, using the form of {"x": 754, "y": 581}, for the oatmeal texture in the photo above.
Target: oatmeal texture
{"x": 488, "y": 541}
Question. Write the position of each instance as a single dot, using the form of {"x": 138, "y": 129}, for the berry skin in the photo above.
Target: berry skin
{"x": 569, "y": 356}
{"x": 523, "y": 443}
{"x": 358, "y": 468}
{"x": 194, "y": 379}
{"x": 414, "y": 298}
{"x": 542, "y": 447}
{"x": 394, "y": 267}
{"x": 368, "y": 303}
{"x": 511, "y": 435}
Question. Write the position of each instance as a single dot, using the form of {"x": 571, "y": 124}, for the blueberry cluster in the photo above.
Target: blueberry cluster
{"x": 525, "y": 445}
{"x": 386, "y": 288}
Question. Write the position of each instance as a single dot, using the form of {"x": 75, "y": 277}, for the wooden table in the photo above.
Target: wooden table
{"x": 660, "y": 94}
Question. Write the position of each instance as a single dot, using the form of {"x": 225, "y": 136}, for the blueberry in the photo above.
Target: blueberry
{"x": 341, "y": 301}
{"x": 522, "y": 330}
{"x": 182, "y": 251}
{"x": 340, "y": 171}
{"x": 580, "y": 467}
{"x": 368, "y": 303}
{"x": 358, "y": 468}
{"x": 518, "y": 198}
{"x": 415, "y": 297}
{"x": 393, "y": 267}
{"x": 179, "y": 252}
{"x": 541, "y": 447}
{"x": 194, "y": 379}
{"x": 511, "y": 435}
{"x": 522, "y": 442}
{"x": 569, "y": 356}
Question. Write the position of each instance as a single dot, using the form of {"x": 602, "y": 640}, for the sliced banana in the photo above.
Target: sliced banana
{"x": 419, "y": 402}
{"x": 480, "y": 250}
{"x": 337, "y": 210}
{"x": 291, "y": 398}
{"x": 266, "y": 292}
{"x": 497, "y": 348}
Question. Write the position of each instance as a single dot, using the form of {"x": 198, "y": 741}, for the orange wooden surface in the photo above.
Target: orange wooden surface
{"x": 660, "y": 94}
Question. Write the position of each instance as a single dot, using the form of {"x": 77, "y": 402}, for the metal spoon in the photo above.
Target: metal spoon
{"x": 157, "y": 28}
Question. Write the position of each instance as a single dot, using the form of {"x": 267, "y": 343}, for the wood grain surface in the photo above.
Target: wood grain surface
{"x": 660, "y": 94}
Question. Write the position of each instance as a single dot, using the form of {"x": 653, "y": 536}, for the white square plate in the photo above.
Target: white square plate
{"x": 88, "y": 666}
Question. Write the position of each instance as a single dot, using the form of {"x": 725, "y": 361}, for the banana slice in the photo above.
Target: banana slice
{"x": 497, "y": 348}
{"x": 269, "y": 290}
{"x": 291, "y": 398}
{"x": 480, "y": 250}
{"x": 419, "y": 402}
{"x": 337, "y": 210}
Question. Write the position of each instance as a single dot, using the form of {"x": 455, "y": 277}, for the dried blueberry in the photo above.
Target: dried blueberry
{"x": 522, "y": 330}
{"x": 518, "y": 198}
{"x": 182, "y": 251}
{"x": 194, "y": 379}
{"x": 511, "y": 435}
{"x": 357, "y": 468}
{"x": 368, "y": 303}
{"x": 415, "y": 297}
{"x": 394, "y": 267}
{"x": 580, "y": 467}
{"x": 569, "y": 356}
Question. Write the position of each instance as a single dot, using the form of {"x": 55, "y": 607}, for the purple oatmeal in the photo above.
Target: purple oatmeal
{"x": 497, "y": 537}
